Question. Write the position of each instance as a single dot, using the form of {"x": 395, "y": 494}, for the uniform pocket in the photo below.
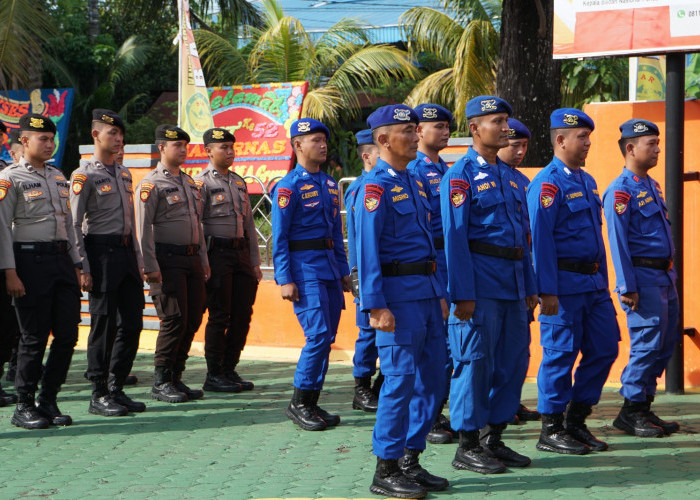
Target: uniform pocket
{"x": 166, "y": 304}
{"x": 405, "y": 218}
{"x": 488, "y": 206}
{"x": 650, "y": 221}
{"x": 401, "y": 360}
{"x": 36, "y": 202}
{"x": 556, "y": 333}
{"x": 467, "y": 342}
{"x": 578, "y": 208}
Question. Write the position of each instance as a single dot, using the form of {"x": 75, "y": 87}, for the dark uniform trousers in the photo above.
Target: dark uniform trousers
{"x": 179, "y": 301}
{"x": 231, "y": 293}
{"x": 9, "y": 329}
{"x": 116, "y": 310}
{"x": 51, "y": 304}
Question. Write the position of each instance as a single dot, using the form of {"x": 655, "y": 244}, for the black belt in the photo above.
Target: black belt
{"x": 317, "y": 244}
{"x": 214, "y": 242}
{"x": 662, "y": 264}
{"x": 578, "y": 267}
{"x": 399, "y": 269}
{"x": 57, "y": 247}
{"x": 177, "y": 249}
{"x": 439, "y": 243}
{"x": 509, "y": 253}
{"x": 112, "y": 240}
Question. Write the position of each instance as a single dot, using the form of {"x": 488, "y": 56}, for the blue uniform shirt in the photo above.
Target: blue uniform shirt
{"x": 392, "y": 214}
{"x": 566, "y": 221}
{"x": 307, "y": 206}
{"x": 523, "y": 181}
{"x": 430, "y": 173}
{"x": 350, "y": 197}
{"x": 638, "y": 226}
{"x": 483, "y": 202}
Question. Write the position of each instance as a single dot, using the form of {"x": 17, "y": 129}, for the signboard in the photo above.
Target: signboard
{"x": 55, "y": 104}
{"x": 590, "y": 28}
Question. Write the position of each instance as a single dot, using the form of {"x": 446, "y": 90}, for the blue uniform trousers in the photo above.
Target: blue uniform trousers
{"x": 487, "y": 353}
{"x": 318, "y": 311}
{"x": 364, "y": 361}
{"x": 586, "y": 323}
{"x": 653, "y": 330}
{"x": 412, "y": 359}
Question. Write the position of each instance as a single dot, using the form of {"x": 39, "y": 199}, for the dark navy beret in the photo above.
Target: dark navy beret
{"x": 570, "y": 118}
{"x": 33, "y": 122}
{"x": 308, "y": 126}
{"x": 637, "y": 127}
{"x": 517, "y": 130}
{"x": 364, "y": 137}
{"x": 393, "y": 114}
{"x": 217, "y": 135}
{"x": 171, "y": 133}
{"x": 433, "y": 113}
{"x": 487, "y": 105}
{"x": 109, "y": 117}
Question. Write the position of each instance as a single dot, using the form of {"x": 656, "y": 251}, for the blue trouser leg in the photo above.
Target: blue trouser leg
{"x": 364, "y": 360}
{"x": 554, "y": 380}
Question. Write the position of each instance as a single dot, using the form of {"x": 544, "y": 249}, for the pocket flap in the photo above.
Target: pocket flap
{"x": 577, "y": 204}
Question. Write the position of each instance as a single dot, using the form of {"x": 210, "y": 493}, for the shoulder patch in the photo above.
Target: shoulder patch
{"x": 4, "y": 186}
{"x": 373, "y": 196}
{"x": 146, "y": 188}
{"x": 199, "y": 183}
{"x": 283, "y": 195}
{"x": 622, "y": 199}
{"x": 547, "y": 194}
{"x": 78, "y": 181}
{"x": 458, "y": 192}
{"x": 240, "y": 183}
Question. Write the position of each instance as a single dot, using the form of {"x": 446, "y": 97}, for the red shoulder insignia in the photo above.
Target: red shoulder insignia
{"x": 622, "y": 199}
{"x": 373, "y": 196}
{"x": 547, "y": 194}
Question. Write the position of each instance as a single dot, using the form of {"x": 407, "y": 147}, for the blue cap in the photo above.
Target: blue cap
{"x": 364, "y": 137}
{"x": 433, "y": 113}
{"x": 637, "y": 127}
{"x": 517, "y": 130}
{"x": 570, "y": 118}
{"x": 308, "y": 126}
{"x": 393, "y": 114}
{"x": 487, "y": 105}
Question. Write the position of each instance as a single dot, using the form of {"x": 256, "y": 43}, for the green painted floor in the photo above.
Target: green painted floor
{"x": 241, "y": 446}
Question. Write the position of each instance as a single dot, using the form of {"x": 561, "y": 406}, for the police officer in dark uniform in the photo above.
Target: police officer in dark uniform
{"x": 168, "y": 217}
{"x": 102, "y": 205}
{"x": 39, "y": 253}
{"x": 234, "y": 258}
{"x": 642, "y": 250}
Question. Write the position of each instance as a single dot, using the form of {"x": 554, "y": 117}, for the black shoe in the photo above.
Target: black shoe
{"x": 49, "y": 409}
{"x": 554, "y": 438}
{"x": 163, "y": 388}
{"x": 389, "y": 481}
{"x": 364, "y": 399}
{"x": 131, "y": 379}
{"x": 105, "y": 406}
{"x": 233, "y": 376}
{"x": 669, "y": 427}
{"x": 331, "y": 419}
{"x": 219, "y": 383}
{"x": 192, "y": 394}
{"x": 119, "y": 397}
{"x": 576, "y": 414}
{"x": 27, "y": 416}
{"x": 471, "y": 456}
{"x": 525, "y": 414}
{"x": 377, "y": 385}
{"x": 412, "y": 470}
{"x": 438, "y": 435}
{"x": 301, "y": 411}
{"x": 634, "y": 420}
{"x": 491, "y": 441}
{"x": 6, "y": 398}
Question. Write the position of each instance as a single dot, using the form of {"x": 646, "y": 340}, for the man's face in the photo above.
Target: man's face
{"x": 38, "y": 146}
{"x": 402, "y": 140}
{"x": 174, "y": 152}
{"x": 514, "y": 153}
{"x": 646, "y": 150}
{"x": 576, "y": 143}
{"x": 313, "y": 147}
{"x": 120, "y": 156}
{"x": 221, "y": 154}
{"x": 370, "y": 156}
{"x": 434, "y": 135}
{"x": 492, "y": 130}
{"x": 109, "y": 138}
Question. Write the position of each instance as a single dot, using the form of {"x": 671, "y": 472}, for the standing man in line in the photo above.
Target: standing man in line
{"x": 102, "y": 201}
{"x": 642, "y": 252}
{"x": 492, "y": 286}
{"x": 364, "y": 361}
{"x": 398, "y": 287}
{"x": 433, "y": 136}
{"x": 576, "y": 311}
{"x": 39, "y": 253}
{"x": 175, "y": 260}
{"x": 513, "y": 155}
{"x": 310, "y": 265}
{"x": 234, "y": 258}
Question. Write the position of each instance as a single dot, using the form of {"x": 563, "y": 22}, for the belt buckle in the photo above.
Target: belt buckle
{"x": 329, "y": 244}
{"x": 189, "y": 251}
{"x": 27, "y": 247}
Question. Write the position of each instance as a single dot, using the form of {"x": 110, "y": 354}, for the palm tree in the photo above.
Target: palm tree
{"x": 338, "y": 65}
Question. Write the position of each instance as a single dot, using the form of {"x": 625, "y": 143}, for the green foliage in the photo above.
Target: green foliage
{"x": 594, "y": 80}
{"x": 692, "y": 77}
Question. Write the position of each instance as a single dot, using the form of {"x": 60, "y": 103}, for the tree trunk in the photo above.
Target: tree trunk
{"x": 528, "y": 78}
{"x": 93, "y": 19}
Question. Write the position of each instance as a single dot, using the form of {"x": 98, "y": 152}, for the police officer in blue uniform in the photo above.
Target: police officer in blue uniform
{"x": 576, "y": 313}
{"x": 513, "y": 155}
{"x": 433, "y": 135}
{"x": 364, "y": 360}
{"x": 400, "y": 290}
{"x": 642, "y": 252}
{"x": 310, "y": 265}
{"x": 491, "y": 284}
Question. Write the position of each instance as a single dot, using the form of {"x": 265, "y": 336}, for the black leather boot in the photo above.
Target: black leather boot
{"x": 412, "y": 470}
{"x": 102, "y": 404}
{"x": 441, "y": 431}
{"x": 131, "y": 379}
{"x": 633, "y": 419}
{"x": 471, "y": 456}
{"x": 364, "y": 399}
{"x": 220, "y": 383}
{"x": 525, "y": 414}
{"x": 234, "y": 377}
{"x": 192, "y": 394}
{"x": 490, "y": 437}
{"x": 116, "y": 392}
{"x": 163, "y": 388}
{"x": 5, "y": 397}
{"x": 389, "y": 481}
{"x": 46, "y": 406}
{"x": 301, "y": 411}
{"x": 331, "y": 419}
{"x": 378, "y": 381}
{"x": 669, "y": 427}
{"x": 26, "y": 415}
{"x": 576, "y": 414}
{"x": 556, "y": 439}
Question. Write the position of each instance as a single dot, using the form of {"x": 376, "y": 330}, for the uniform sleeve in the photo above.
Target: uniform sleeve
{"x": 350, "y": 225}
{"x": 73, "y": 240}
{"x": 528, "y": 270}
{"x": 339, "y": 245}
{"x": 202, "y": 245}
{"x": 369, "y": 226}
{"x": 8, "y": 202}
{"x": 543, "y": 215}
{"x": 455, "y": 199}
{"x": 79, "y": 193}
{"x": 145, "y": 210}
{"x": 617, "y": 214}
{"x": 284, "y": 203}
{"x": 251, "y": 233}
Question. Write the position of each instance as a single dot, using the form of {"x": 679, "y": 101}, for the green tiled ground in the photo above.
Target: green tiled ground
{"x": 241, "y": 446}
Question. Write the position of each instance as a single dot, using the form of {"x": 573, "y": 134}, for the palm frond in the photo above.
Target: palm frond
{"x": 283, "y": 52}
{"x": 476, "y": 10}
{"x": 428, "y": 30}
{"x": 221, "y": 60}
{"x": 232, "y": 12}
{"x": 475, "y": 63}
{"x": 323, "y": 104}
{"x": 436, "y": 88}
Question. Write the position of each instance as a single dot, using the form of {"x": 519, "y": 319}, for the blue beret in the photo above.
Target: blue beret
{"x": 487, "y": 105}
{"x": 517, "y": 130}
{"x": 637, "y": 127}
{"x": 570, "y": 118}
{"x": 308, "y": 126}
{"x": 433, "y": 113}
{"x": 394, "y": 114}
{"x": 364, "y": 137}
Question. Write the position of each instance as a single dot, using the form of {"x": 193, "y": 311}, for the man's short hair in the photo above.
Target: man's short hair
{"x": 378, "y": 131}
{"x": 624, "y": 142}
{"x": 554, "y": 132}
{"x": 364, "y": 148}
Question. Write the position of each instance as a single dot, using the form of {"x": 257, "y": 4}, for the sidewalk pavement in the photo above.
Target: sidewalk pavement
{"x": 241, "y": 446}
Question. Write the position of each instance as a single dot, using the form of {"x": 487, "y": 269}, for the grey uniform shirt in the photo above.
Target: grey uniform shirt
{"x": 227, "y": 210}
{"x": 168, "y": 211}
{"x": 34, "y": 206}
{"x": 102, "y": 203}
